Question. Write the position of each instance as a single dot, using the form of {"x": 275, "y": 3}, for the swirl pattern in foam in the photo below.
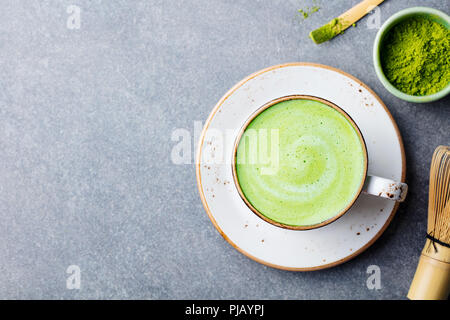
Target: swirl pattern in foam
{"x": 300, "y": 162}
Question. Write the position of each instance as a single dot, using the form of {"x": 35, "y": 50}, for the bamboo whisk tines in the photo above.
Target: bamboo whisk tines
{"x": 439, "y": 197}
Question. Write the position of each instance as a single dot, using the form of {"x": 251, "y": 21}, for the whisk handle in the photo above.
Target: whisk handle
{"x": 432, "y": 278}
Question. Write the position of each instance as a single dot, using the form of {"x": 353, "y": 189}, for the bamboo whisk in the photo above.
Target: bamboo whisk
{"x": 432, "y": 278}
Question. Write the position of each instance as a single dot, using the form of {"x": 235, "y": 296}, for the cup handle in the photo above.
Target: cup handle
{"x": 385, "y": 188}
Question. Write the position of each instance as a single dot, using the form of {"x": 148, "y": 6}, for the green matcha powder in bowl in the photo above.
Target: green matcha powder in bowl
{"x": 411, "y": 54}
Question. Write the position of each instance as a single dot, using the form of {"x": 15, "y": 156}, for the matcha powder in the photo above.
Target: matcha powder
{"x": 415, "y": 57}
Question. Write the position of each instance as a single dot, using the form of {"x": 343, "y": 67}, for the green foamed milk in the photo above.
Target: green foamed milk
{"x": 300, "y": 162}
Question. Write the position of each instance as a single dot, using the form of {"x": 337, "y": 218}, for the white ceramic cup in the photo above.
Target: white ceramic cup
{"x": 370, "y": 184}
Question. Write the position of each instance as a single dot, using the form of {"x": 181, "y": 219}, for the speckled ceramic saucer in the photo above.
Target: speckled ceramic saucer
{"x": 292, "y": 249}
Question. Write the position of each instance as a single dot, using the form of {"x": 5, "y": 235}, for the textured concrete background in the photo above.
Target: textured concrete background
{"x": 86, "y": 118}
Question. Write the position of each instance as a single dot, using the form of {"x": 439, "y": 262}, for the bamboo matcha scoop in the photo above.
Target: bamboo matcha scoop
{"x": 345, "y": 20}
{"x": 432, "y": 278}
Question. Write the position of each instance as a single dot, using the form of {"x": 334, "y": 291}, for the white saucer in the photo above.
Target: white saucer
{"x": 291, "y": 249}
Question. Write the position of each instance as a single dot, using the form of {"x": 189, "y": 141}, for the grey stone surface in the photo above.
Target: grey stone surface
{"x": 86, "y": 117}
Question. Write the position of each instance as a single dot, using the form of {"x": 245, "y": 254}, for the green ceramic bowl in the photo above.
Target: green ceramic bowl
{"x": 429, "y": 13}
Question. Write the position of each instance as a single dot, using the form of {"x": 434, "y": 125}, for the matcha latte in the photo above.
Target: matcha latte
{"x": 300, "y": 163}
